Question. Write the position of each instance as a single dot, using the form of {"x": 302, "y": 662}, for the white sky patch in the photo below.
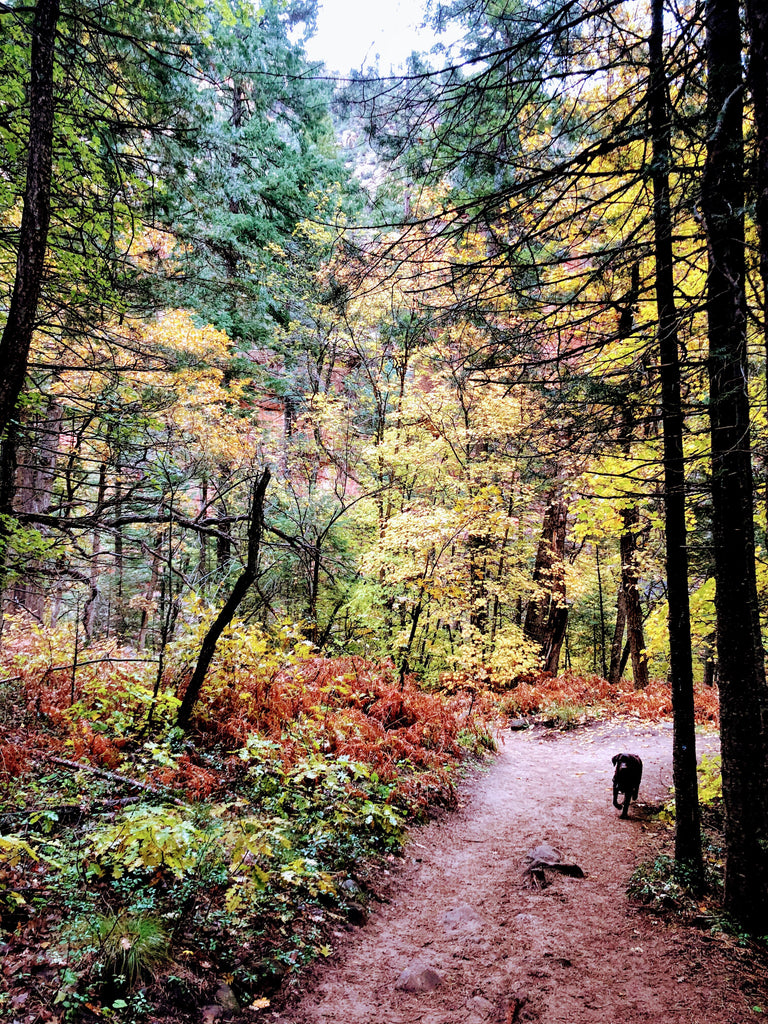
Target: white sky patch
{"x": 361, "y": 33}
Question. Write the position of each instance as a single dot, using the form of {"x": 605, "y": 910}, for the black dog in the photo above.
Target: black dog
{"x": 626, "y": 779}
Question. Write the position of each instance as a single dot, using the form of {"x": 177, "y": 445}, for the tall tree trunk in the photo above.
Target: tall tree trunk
{"x": 478, "y": 545}
{"x": 89, "y": 609}
{"x": 501, "y": 569}
{"x": 614, "y": 671}
{"x": 632, "y": 605}
{"x": 757, "y": 79}
{"x": 556, "y": 635}
{"x": 119, "y": 601}
{"x": 743, "y": 692}
{"x": 36, "y": 215}
{"x": 603, "y": 665}
{"x": 227, "y": 613}
{"x": 546, "y": 617}
{"x": 687, "y": 823}
{"x": 314, "y": 564}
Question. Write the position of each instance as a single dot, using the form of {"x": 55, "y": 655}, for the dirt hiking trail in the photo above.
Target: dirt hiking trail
{"x": 500, "y": 951}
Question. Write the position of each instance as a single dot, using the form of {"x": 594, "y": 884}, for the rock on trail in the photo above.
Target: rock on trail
{"x": 465, "y": 938}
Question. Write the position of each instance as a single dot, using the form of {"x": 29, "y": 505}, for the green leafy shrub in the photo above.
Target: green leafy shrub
{"x": 710, "y": 779}
{"x": 563, "y": 715}
{"x": 514, "y": 656}
{"x": 147, "y": 838}
{"x": 120, "y": 704}
{"x": 477, "y": 740}
{"x": 710, "y": 786}
{"x": 663, "y": 884}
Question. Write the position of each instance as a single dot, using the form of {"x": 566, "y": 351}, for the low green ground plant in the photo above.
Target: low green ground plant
{"x": 128, "y": 947}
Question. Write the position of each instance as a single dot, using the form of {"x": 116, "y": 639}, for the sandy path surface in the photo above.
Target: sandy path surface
{"x": 576, "y": 951}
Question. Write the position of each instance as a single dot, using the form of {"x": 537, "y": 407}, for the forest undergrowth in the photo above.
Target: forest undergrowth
{"x": 145, "y": 870}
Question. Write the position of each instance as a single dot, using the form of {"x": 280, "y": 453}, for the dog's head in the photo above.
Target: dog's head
{"x": 629, "y": 763}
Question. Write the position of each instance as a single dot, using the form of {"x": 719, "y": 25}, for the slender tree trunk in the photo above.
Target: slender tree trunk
{"x": 743, "y": 692}
{"x": 89, "y": 609}
{"x": 478, "y": 545}
{"x": 603, "y": 664}
{"x": 36, "y": 214}
{"x": 119, "y": 602}
{"x": 546, "y": 617}
{"x": 202, "y": 562}
{"x": 227, "y": 613}
{"x": 632, "y": 605}
{"x": 314, "y": 556}
{"x": 496, "y": 614}
{"x": 687, "y": 823}
{"x": 405, "y": 664}
{"x": 614, "y": 672}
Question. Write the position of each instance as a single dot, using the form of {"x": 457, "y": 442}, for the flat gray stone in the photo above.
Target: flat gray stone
{"x": 543, "y": 854}
{"x": 463, "y": 918}
{"x": 417, "y": 977}
{"x": 480, "y": 1004}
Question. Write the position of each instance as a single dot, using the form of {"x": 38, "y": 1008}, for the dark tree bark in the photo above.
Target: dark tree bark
{"x": 35, "y": 218}
{"x": 558, "y": 624}
{"x": 479, "y": 545}
{"x": 603, "y": 664}
{"x": 632, "y": 606}
{"x": 615, "y": 669}
{"x": 89, "y": 609}
{"x": 227, "y": 613}
{"x": 546, "y": 617}
{"x": 743, "y": 692}
{"x": 119, "y": 577}
{"x": 628, "y": 612}
{"x": 314, "y": 561}
{"x": 757, "y": 79}
{"x": 687, "y": 824}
